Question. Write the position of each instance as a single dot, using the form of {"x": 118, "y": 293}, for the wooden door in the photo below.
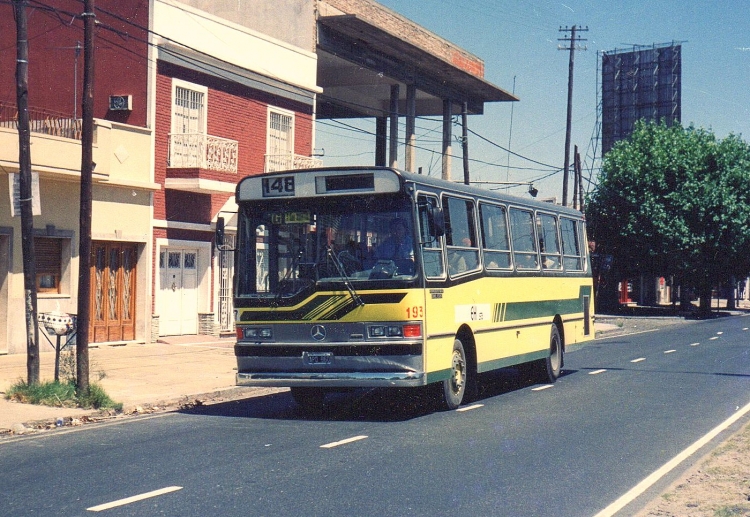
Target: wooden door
{"x": 113, "y": 272}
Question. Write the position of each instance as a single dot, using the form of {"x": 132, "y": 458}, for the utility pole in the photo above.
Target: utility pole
{"x": 24, "y": 169}
{"x": 573, "y": 45}
{"x": 87, "y": 169}
{"x": 465, "y": 139}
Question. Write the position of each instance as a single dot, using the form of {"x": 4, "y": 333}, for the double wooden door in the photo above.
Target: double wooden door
{"x": 113, "y": 273}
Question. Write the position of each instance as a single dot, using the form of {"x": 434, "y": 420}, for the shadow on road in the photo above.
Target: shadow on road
{"x": 363, "y": 405}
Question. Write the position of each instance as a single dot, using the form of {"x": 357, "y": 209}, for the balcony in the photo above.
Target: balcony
{"x": 288, "y": 161}
{"x": 199, "y": 151}
{"x": 42, "y": 121}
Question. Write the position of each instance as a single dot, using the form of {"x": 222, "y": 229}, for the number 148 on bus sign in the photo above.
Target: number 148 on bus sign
{"x": 278, "y": 186}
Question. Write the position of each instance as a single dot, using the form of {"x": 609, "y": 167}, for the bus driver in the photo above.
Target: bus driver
{"x": 398, "y": 245}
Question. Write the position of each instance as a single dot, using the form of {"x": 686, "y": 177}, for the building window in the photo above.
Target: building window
{"x": 280, "y": 140}
{"x": 48, "y": 252}
{"x": 188, "y": 137}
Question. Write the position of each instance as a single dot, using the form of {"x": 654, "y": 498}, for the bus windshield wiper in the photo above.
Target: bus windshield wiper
{"x": 342, "y": 273}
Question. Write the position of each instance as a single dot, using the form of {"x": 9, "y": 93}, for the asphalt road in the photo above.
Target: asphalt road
{"x": 623, "y": 408}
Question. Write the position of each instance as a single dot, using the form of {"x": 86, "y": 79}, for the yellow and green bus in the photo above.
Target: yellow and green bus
{"x": 375, "y": 277}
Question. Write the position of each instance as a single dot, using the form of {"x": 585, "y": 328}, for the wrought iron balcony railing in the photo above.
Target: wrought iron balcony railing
{"x": 187, "y": 150}
{"x": 282, "y": 162}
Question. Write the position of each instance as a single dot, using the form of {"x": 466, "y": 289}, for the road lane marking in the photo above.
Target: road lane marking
{"x": 670, "y": 351}
{"x": 343, "y": 442}
{"x": 597, "y": 372}
{"x": 540, "y": 388}
{"x": 712, "y": 338}
{"x": 694, "y": 344}
{"x": 745, "y": 328}
{"x": 638, "y": 360}
{"x": 133, "y": 499}
{"x": 641, "y": 487}
{"x": 469, "y": 408}
{"x": 719, "y": 333}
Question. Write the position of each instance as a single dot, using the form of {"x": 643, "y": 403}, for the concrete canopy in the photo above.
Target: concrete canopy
{"x": 359, "y": 61}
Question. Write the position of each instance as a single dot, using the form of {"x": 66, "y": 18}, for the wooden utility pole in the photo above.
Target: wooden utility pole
{"x": 87, "y": 169}
{"x": 465, "y": 140}
{"x": 24, "y": 169}
{"x": 572, "y": 40}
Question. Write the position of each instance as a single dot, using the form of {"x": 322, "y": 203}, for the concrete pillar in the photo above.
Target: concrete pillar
{"x": 410, "y": 151}
{"x": 393, "y": 155}
{"x": 381, "y": 141}
{"x": 447, "y": 138}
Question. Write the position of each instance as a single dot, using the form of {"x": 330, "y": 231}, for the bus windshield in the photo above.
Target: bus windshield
{"x": 287, "y": 248}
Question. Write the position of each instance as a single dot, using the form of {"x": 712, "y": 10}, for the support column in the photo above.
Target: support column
{"x": 410, "y": 151}
{"x": 447, "y": 138}
{"x": 381, "y": 141}
{"x": 393, "y": 155}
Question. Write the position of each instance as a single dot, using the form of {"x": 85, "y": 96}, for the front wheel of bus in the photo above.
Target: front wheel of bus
{"x": 455, "y": 386}
{"x": 309, "y": 399}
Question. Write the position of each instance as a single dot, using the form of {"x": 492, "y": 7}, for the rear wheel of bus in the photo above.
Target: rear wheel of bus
{"x": 454, "y": 387}
{"x": 549, "y": 369}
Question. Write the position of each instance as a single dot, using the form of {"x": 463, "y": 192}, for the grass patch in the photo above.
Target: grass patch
{"x": 61, "y": 394}
{"x": 730, "y": 511}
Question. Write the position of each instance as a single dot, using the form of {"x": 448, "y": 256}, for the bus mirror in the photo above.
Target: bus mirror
{"x": 219, "y": 231}
{"x": 437, "y": 220}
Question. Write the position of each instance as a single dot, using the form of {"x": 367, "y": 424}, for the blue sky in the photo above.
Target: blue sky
{"x": 518, "y": 41}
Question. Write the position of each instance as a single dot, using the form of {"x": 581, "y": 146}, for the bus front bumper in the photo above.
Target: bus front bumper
{"x": 333, "y": 379}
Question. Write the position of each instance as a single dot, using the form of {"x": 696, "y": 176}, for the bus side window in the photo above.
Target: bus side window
{"x": 522, "y": 237}
{"x": 549, "y": 243}
{"x": 571, "y": 245}
{"x": 494, "y": 227}
{"x": 461, "y": 239}
{"x": 432, "y": 250}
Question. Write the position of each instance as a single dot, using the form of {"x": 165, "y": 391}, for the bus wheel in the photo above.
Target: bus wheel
{"x": 309, "y": 399}
{"x": 455, "y": 386}
{"x": 551, "y": 367}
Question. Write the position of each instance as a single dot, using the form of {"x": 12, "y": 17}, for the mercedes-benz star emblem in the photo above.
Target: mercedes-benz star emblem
{"x": 318, "y": 332}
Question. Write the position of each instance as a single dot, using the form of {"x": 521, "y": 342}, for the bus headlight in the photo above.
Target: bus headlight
{"x": 254, "y": 333}
{"x": 409, "y": 330}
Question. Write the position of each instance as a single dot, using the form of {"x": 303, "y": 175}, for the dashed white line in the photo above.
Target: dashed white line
{"x": 540, "y": 388}
{"x": 670, "y": 351}
{"x": 719, "y": 333}
{"x": 694, "y": 344}
{"x": 597, "y": 372}
{"x": 712, "y": 338}
{"x": 133, "y": 499}
{"x": 343, "y": 442}
{"x": 469, "y": 408}
{"x": 745, "y": 328}
{"x": 638, "y": 360}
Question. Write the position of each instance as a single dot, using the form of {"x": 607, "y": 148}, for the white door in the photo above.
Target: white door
{"x": 178, "y": 313}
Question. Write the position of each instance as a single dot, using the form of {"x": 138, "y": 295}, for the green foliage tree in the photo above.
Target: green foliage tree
{"x": 675, "y": 201}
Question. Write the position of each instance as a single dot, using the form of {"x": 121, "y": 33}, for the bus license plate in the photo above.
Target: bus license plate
{"x": 317, "y": 358}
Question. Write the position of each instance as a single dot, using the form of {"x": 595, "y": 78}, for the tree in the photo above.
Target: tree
{"x": 675, "y": 201}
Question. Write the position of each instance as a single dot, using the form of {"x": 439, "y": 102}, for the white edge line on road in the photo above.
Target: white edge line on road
{"x": 641, "y": 487}
{"x": 540, "y": 388}
{"x": 597, "y": 372}
{"x": 135, "y": 498}
{"x": 469, "y": 408}
{"x": 343, "y": 442}
{"x": 638, "y": 360}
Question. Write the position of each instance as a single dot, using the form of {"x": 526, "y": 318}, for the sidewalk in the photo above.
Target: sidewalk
{"x": 140, "y": 376}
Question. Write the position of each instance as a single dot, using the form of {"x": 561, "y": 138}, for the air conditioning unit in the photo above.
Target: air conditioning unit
{"x": 120, "y": 102}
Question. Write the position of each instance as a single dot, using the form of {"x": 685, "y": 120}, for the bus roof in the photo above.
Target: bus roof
{"x": 347, "y": 180}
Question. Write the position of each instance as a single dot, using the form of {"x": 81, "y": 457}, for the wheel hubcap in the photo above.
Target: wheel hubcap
{"x": 459, "y": 372}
